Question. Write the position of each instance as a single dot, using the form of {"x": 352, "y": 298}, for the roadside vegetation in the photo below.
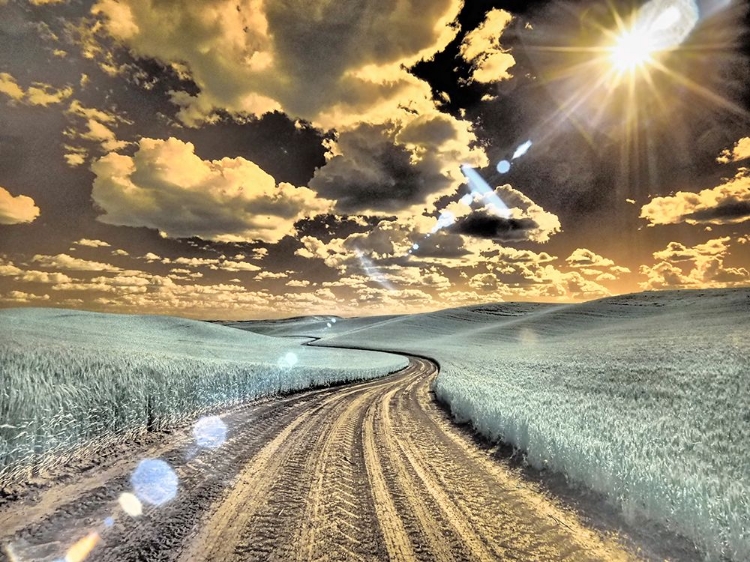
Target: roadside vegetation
{"x": 71, "y": 381}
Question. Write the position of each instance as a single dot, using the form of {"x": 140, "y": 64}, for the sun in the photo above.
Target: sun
{"x": 632, "y": 50}
{"x": 660, "y": 25}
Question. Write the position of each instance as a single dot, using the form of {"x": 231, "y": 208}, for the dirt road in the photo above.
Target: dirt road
{"x": 371, "y": 471}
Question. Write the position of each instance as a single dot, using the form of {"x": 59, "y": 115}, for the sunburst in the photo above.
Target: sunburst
{"x": 624, "y": 74}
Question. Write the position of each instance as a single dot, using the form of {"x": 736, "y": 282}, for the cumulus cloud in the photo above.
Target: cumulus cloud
{"x": 531, "y": 281}
{"x": 387, "y": 240}
{"x": 92, "y": 125}
{"x": 728, "y": 203}
{"x": 397, "y": 164}
{"x": 594, "y": 265}
{"x": 166, "y": 186}
{"x": 525, "y": 220}
{"x": 64, "y": 261}
{"x": 379, "y": 298}
{"x": 701, "y": 265}
{"x": 229, "y": 265}
{"x": 18, "y": 209}
{"x": 340, "y": 67}
{"x": 481, "y": 48}
{"x": 740, "y": 151}
{"x": 308, "y": 59}
{"x": 272, "y": 275}
{"x": 7, "y": 269}
{"x": 581, "y": 257}
{"x": 37, "y": 94}
{"x": 43, "y": 277}
{"x": 19, "y": 297}
{"x": 91, "y": 243}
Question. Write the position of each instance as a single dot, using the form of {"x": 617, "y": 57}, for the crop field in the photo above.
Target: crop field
{"x": 72, "y": 380}
{"x": 642, "y": 397}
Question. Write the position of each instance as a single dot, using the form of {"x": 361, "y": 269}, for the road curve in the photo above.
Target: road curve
{"x": 368, "y": 471}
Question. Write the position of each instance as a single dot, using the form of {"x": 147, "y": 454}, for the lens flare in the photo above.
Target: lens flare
{"x": 81, "y": 549}
{"x": 130, "y": 504}
{"x": 521, "y": 150}
{"x": 481, "y": 189}
{"x": 445, "y": 219}
{"x": 503, "y": 166}
{"x": 288, "y": 360}
{"x": 154, "y": 482}
{"x": 373, "y": 272}
{"x": 210, "y": 432}
{"x": 658, "y": 26}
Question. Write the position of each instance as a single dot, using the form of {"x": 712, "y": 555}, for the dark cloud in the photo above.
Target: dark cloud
{"x": 373, "y": 173}
{"x": 325, "y": 227}
{"x": 729, "y": 211}
{"x": 289, "y": 151}
{"x": 484, "y": 225}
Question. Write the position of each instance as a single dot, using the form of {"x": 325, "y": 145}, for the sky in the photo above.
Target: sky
{"x": 272, "y": 158}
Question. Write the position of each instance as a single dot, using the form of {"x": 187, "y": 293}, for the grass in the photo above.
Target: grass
{"x": 642, "y": 397}
{"x": 76, "y": 381}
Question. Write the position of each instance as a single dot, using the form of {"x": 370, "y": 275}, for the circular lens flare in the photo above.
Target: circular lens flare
{"x": 154, "y": 482}
{"x": 210, "y": 432}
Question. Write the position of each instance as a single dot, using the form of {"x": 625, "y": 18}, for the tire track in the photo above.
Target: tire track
{"x": 368, "y": 472}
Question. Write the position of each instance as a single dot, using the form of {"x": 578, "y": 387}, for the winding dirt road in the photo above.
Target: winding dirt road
{"x": 369, "y": 471}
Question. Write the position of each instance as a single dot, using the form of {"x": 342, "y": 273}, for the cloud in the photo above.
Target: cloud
{"x": 18, "y": 209}
{"x": 311, "y": 60}
{"x": 10, "y": 87}
{"x": 740, "y": 151}
{"x": 43, "y": 277}
{"x": 190, "y": 262}
{"x": 505, "y": 255}
{"x": 91, "y": 243}
{"x": 581, "y": 257}
{"x": 298, "y": 283}
{"x": 485, "y": 225}
{"x": 678, "y": 252}
{"x": 229, "y": 265}
{"x": 594, "y": 265}
{"x": 271, "y": 275}
{"x": 378, "y": 298}
{"x": 37, "y": 94}
{"x": 166, "y": 186}
{"x": 20, "y": 297}
{"x": 64, "y": 261}
{"x": 7, "y": 269}
{"x": 525, "y": 220}
{"x": 701, "y": 265}
{"x": 728, "y": 203}
{"x": 93, "y": 125}
{"x": 390, "y": 166}
{"x": 481, "y": 48}
{"x": 339, "y": 67}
